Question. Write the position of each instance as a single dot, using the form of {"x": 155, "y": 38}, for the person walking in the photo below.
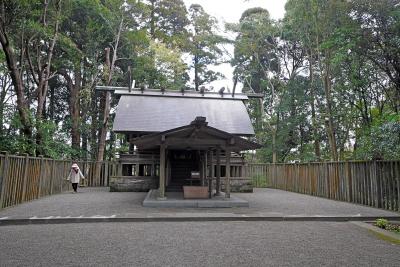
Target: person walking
{"x": 74, "y": 176}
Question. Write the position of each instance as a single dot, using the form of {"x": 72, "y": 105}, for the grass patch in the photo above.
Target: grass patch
{"x": 385, "y": 237}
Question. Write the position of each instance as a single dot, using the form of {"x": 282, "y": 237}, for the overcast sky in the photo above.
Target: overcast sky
{"x": 231, "y": 11}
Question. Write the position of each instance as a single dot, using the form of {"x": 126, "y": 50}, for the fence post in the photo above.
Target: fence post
{"x": 106, "y": 176}
{"x": 349, "y": 183}
{"x": 86, "y": 170}
{"x": 25, "y": 178}
{"x": 41, "y": 175}
{"x": 52, "y": 176}
{"x": 376, "y": 177}
{"x": 378, "y": 186}
{"x": 327, "y": 185}
{"x": 3, "y": 178}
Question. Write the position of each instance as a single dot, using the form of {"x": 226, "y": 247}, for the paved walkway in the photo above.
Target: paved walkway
{"x": 195, "y": 244}
{"x": 98, "y": 202}
{"x": 190, "y": 243}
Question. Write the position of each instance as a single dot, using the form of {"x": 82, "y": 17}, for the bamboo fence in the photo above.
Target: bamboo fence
{"x": 24, "y": 178}
{"x": 371, "y": 183}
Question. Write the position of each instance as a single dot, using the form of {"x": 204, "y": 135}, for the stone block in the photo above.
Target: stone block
{"x": 195, "y": 192}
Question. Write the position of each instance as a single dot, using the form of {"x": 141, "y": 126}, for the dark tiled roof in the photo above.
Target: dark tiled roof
{"x": 158, "y": 113}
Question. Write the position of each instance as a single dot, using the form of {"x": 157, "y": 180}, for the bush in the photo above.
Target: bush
{"x": 382, "y": 223}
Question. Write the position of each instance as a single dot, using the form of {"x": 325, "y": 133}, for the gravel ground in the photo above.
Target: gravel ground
{"x": 195, "y": 244}
{"x": 264, "y": 202}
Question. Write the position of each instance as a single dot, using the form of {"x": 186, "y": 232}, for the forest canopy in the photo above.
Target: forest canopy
{"x": 329, "y": 72}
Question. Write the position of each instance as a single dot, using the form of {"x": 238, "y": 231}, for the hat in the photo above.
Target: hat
{"x": 75, "y": 166}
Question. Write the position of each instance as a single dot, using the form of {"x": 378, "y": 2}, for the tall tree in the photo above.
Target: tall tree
{"x": 11, "y": 21}
{"x": 204, "y": 46}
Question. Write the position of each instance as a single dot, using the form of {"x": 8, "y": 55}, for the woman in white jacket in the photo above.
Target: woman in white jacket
{"x": 74, "y": 176}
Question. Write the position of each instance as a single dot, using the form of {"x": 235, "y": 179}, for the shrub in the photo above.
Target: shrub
{"x": 382, "y": 223}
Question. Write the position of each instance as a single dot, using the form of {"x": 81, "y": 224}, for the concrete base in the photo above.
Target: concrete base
{"x": 176, "y": 200}
{"x": 133, "y": 183}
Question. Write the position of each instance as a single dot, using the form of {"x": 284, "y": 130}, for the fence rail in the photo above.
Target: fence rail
{"x": 372, "y": 183}
{"x": 24, "y": 178}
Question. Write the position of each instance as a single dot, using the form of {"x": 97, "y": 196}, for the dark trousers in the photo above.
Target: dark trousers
{"x": 75, "y": 186}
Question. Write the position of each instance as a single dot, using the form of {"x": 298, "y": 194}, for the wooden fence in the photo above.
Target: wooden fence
{"x": 24, "y": 178}
{"x": 372, "y": 183}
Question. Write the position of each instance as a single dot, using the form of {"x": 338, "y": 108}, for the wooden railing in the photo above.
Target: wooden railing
{"x": 24, "y": 178}
{"x": 372, "y": 183}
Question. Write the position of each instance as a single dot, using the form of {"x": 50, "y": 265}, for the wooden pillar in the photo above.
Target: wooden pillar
{"x": 205, "y": 168}
{"x": 228, "y": 173}
{"x": 210, "y": 181}
{"x": 166, "y": 169}
{"x": 218, "y": 174}
{"x": 137, "y": 169}
{"x": 161, "y": 189}
{"x": 119, "y": 168}
{"x": 153, "y": 169}
{"x": 200, "y": 166}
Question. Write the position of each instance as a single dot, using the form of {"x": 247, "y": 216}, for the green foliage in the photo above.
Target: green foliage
{"x": 259, "y": 181}
{"x": 204, "y": 45}
{"x": 170, "y": 66}
{"x": 346, "y": 52}
{"x": 2, "y": 57}
{"x": 382, "y": 223}
{"x": 54, "y": 143}
{"x": 381, "y": 140}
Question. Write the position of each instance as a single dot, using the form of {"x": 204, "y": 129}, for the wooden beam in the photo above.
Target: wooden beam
{"x": 194, "y": 141}
{"x": 110, "y": 88}
{"x": 254, "y": 95}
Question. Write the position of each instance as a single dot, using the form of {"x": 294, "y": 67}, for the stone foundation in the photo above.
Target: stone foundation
{"x": 133, "y": 183}
{"x": 145, "y": 183}
{"x": 238, "y": 185}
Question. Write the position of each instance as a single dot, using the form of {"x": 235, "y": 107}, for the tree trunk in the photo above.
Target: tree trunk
{"x": 112, "y": 145}
{"x": 152, "y": 19}
{"x": 74, "y": 105}
{"x": 109, "y": 69}
{"x": 3, "y": 94}
{"x": 329, "y": 119}
{"x": 94, "y": 126}
{"x": 317, "y": 149}
{"x": 106, "y": 101}
{"x": 52, "y": 103}
{"x": 274, "y": 135}
{"x": 43, "y": 79}
{"x": 75, "y": 109}
{"x": 16, "y": 77}
{"x": 196, "y": 73}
